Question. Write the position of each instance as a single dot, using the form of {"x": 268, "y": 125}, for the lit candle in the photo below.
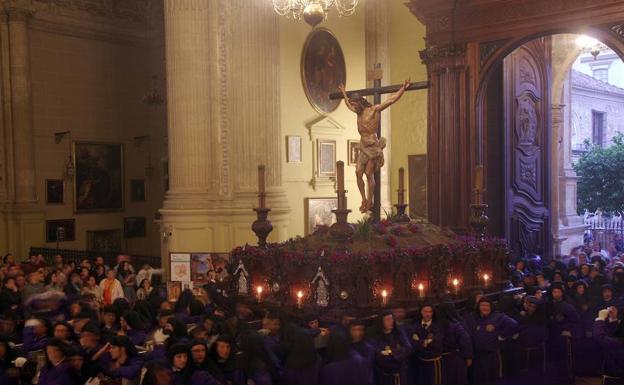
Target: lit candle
{"x": 261, "y": 186}
{"x": 486, "y": 279}
{"x": 401, "y": 185}
{"x": 259, "y": 290}
{"x": 384, "y": 297}
{"x": 421, "y": 290}
{"x": 455, "y": 285}
{"x": 299, "y": 299}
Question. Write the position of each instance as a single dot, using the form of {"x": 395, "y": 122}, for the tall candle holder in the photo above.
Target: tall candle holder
{"x": 262, "y": 226}
{"x": 401, "y": 216}
{"x": 479, "y": 220}
{"x": 341, "y": 230}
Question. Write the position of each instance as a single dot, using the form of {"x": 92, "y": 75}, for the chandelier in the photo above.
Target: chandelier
{"x": 313, "y": 11}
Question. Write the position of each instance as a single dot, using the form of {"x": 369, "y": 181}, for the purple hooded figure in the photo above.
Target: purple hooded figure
{"x": 57, "y": 371}
{"x": 392, "y": 348}
{"x": 456, "y": 346}
{"x": 345, "y": 366}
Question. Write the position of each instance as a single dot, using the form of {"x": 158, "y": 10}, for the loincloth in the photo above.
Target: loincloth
{"x": 372, "y": 151}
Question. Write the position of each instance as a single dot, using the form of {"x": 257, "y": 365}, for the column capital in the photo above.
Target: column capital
{"x": 444, "y": 56}
{"x": 18, "y": 10}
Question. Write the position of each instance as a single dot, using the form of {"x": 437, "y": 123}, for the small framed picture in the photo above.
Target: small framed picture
{"x": 137, "y": 190}
{"x": 318, "y": 212}
{"x": 134, "y": 227}
{"x": 353, "y": 149}
{"x": 293, "y": 149}
{"x": 60, "y": 230}
{"x": 326, "y": 154}
{"x": 54, "y": 192}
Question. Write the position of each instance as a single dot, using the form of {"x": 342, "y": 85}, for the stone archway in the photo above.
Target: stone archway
{"x": 566, "y": 227}
{"x": 465, "y": 42}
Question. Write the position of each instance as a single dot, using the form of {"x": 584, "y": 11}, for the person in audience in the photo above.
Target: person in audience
{"x": 10, "y": 296}
{"x": 145, "y": 289}
{"x": 111, "y": 288}
{"x": 57, "y": 370}
{"x": 91, "y": 287}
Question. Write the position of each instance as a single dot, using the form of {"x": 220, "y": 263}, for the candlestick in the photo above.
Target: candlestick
{"x": 261, "y": 185}
{"x": 259, "y": 290}
{"x": 384, "y": 297}
{"x": 455, "y": 286}
{"x": 421, "y": 291}
{"x": 401, "y": 185}
{"x": 299, "y": 299}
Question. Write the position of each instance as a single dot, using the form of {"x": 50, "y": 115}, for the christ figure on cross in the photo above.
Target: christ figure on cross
{"x": 370, "y": 158}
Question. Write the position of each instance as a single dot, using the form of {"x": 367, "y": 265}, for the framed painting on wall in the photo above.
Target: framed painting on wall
{"x": 293, "y": 149}
{"x": 323, "y": 69}
{"x": 54, "y": 191}
{"x": 206, "y": 267}
{"x": 326, "y": 154}
{"x": 99, "y": 177}
{"x": 318, "y": 212}
{"x": 353, "y": 149}
{"x": 134, "y": 227}
{"x": 137, "y": 190}
{"x": 65, "y": 229}
{"x": 104, "y": 240}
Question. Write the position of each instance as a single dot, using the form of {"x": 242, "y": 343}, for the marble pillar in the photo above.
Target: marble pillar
{"x": 223, "y": 120}
{"x": 19, "y": 214}
{"x": 377, "y": 34}
{"x": 21, "y": 105}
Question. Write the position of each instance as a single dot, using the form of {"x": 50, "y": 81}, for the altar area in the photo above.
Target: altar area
{"x": 369, "y": 265}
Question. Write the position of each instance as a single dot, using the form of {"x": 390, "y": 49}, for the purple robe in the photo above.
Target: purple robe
{"x": 392, "y": 369}
{"x": 198, "y": 377}
{"x": 426, "y": 360}
{"x": 129, "y": 370}
{"x": 60, "y": 374}
{"x": 5, "y": 378}
{"x": 613, "y": 350}
{"x": 487, "y": 334}
{"x": 302, "y": 376}
{"x": 137, "y": 336}
{"x": 355, "y": 370}
{"x": 30, "y": 342}
{"x": 457, "y": 348}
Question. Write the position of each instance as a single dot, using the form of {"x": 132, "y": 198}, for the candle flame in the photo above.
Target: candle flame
{"x": 299, "y": 294}
{"x": 421, "y": 287}
{"x": 384, "y": 293}
{"x": 455, "y": 282}
{"x": 486, "y": 277}
{"x": 259, "y": 289}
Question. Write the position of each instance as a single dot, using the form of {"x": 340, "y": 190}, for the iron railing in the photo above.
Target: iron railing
{"x": 110, "y": 257}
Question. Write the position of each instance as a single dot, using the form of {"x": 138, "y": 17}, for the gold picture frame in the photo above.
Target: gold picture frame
{"x": 326, "y": 158}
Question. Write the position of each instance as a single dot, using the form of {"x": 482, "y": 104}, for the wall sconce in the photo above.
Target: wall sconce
{"x": 167, "y": 233}
{"x": 68, "y": 168}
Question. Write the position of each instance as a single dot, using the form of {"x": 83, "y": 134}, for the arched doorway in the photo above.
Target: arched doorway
{"x": 521, "y": 116}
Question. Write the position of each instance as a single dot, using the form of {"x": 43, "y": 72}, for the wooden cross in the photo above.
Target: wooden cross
{"x": 376, "y": 75}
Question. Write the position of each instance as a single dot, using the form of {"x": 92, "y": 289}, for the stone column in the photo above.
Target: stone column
{"x": 377, "y": 34}
{"x": 450, "y": 160}
{"x": 190, "y": 78}
{"x": 21, "y": 105}
{"x": 223, "y": 121}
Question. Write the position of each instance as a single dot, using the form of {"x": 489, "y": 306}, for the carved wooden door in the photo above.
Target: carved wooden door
{"x": 527, "y": 87}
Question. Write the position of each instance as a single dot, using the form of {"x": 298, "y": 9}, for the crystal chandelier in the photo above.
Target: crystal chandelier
{"x": 313, "y": 11}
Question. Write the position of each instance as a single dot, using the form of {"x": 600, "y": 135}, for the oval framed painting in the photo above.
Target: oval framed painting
{"x": 322, "y": 69}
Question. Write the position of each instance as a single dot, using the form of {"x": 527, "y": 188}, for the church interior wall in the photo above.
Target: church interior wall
{"x": 409, "y": 116}
{"x": 95, "y": 89}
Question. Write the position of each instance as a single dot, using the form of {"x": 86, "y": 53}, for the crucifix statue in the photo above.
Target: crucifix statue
{"x": 370, "y": 158}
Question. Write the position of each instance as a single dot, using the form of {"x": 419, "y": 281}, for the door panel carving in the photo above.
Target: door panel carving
{"x": 527, "y": 132}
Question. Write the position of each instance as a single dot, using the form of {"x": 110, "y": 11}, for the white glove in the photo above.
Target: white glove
{"x": 501, "y": 339}
{"x": 515, "y": 336}
{"x": 566, "y": 333}
{"x": 159, "y": 337}
{"x": 19, "y": 362}
{"x": 415, "y": 337}
{"x": 264, "y": 332}
{"x": 93, "y": 381}
{"x": 602, "y": 315}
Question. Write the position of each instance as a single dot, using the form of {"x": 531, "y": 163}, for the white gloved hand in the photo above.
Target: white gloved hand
{"x": 566, "y": 333}
{"x": 93, "y": 381}
{"x": 415, "y": 337}
{"x": 159, "y": 337}
{"x": 19, "y": 362}
{"x": 501, "y": 339}
{"x": 515, "y": 336}
{"x": 602, "y": 315}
